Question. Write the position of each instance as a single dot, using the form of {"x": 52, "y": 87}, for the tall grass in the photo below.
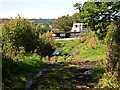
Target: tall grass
{"x": 87, "y": 50}
{"x": 93, "y": 54}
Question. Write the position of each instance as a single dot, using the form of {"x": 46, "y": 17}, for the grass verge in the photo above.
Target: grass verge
{"x": 96, "y": 53}
{"x": 17, "y": 73}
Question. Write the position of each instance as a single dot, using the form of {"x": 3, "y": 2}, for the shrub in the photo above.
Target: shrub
{"x": 17, "y": 33}
{"x": 98, "y": 72}
{"x": 108, "y": 80}
{"x": 23, "y": 45}
{"x": 89, "y": 38}
{"x": 47, "y": 45}
{"x": 113, "y": 43}
{"x": 113, "y": 55}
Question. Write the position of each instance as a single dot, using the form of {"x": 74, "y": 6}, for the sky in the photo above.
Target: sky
{"x": 37, "y": 8}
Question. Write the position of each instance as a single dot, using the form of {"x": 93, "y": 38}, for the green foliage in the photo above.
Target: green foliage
{"x": 91, "y": 48}
{"x": 67, "y": 47}
{"x": 38, "y": 30}
{"x": 30, "y": 59}
{"x": 47, "y": 46}
{"x": 43, "y": 21}
{"x": 98, "y": 72}
{"x": 61, "y": 59}
{"x": 17, "y": 33}
{"x": 41, "y": 29}
{"x": 22, "y": 42}
{"x": 98, "y": 15}
{"x": 17, "y": 73}
{"x": 78, "y": 6}
{"x": 88, "y": 48}
{"x": 76, "y": 17}
{"x": 105, "y": 79}
{"x": 45, "y": 28}
{"x": 108, "y": 80}
{"x": 63, "y": 24}
{"x": 93, "y": 54}
{"x": 113, "y": 44}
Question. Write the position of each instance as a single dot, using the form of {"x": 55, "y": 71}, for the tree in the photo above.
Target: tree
{"x": 103, "y": 18}
{"x": 41, "y": 29}
{"x": 98, "y": 15}
{"x": 78, "y": 6}
{"x": 63, "y": 24}
{"x": 76, "y": 17}
{"x": 18, "y": 33}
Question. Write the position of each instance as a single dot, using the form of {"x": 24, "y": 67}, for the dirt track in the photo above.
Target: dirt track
{"x": 75, "y": 74}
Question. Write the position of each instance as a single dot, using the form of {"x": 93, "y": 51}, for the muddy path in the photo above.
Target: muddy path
{"x": 76, "y": 74}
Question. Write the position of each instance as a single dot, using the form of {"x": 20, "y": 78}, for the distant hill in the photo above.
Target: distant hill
{"x": 36, "y": 21}
{"x": 43, "y": 21}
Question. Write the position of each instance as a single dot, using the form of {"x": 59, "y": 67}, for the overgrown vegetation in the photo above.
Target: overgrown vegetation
{"x": 103, "y": 19}
{"x": 112, "y": 76}
{"x": 63, "y": 24}
{"x": 68, "y": 76}
{"x": 86, "y": 47}
{"x": 20, "y": 33}
{"x": 90, "y": 48}
{"x": 98, "y": 15}
{"x": 24, "y": 46}
{"x": 17, "y": 73}
{"x": 113, "y": 44}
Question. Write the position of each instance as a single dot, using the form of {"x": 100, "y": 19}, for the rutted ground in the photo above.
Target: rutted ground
{"x": 71, "y": 69}
{"x": 75, "y": 74}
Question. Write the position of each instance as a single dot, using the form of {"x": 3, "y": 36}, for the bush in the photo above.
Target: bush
{"x": 98, "y": 72}
{"x": 113, "y": 43}
{"x": 47, "y": 45}
{"x": 23, "y": 47}
{"x": 17, "y": 33}
{"x": 108, "y": 80}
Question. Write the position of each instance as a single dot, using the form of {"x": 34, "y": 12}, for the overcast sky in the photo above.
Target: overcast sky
{"x": 37, "y": 8}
